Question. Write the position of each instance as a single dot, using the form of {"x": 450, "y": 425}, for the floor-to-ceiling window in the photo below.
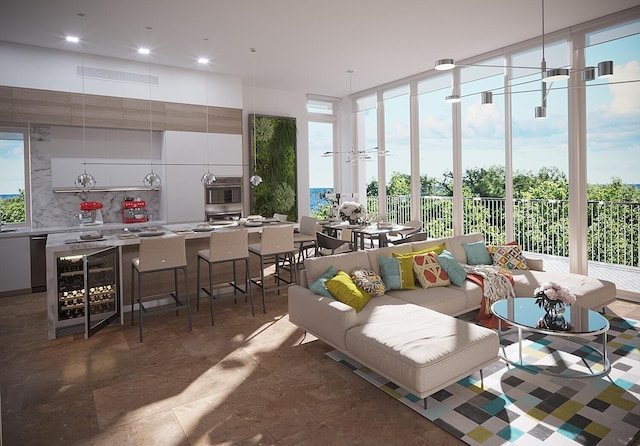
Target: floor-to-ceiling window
{"x": 367, "y": 127}
{"x": 483, "y": 151}
{"x": 435, "y": 156}
{"x": 322, "y": 148}
{"x": 613, "y": 146}
{"x": 14, "y": 150}
{"x": 540, "y": 153}
{"x": 397, "y": 144}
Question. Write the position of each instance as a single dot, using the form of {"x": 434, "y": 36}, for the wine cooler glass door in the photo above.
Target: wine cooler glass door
{"x": 102, "y": 293}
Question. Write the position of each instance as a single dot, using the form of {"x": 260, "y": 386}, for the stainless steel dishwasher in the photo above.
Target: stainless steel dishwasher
{"x": 38, "y": 263}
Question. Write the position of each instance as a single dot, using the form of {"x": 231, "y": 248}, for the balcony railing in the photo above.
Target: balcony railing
{"x": 540, "y": 226}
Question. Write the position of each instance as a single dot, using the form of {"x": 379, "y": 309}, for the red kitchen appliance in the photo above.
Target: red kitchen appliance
{"x": 90, "y": 213}
{"x": 134, "y": 210}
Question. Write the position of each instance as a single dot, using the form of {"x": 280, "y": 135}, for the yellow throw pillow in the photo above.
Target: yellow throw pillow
{"x": 343, "y": 289}
{"x": 406, "y": 264}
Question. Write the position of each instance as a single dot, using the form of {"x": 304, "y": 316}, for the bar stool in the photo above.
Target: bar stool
{"x": 226, "y": 246}
{"x": 276, "y": 243}
{"x": 160, "y": 254}
{"x": 306, "y": 238}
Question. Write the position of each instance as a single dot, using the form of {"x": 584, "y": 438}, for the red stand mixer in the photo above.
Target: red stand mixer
{"x": 90, "y": 214}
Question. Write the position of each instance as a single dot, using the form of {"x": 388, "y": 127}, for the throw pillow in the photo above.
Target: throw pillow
{"x": 477, "y": 253}
{"x": 509, "y": 256}
{"x": 450, "y": 265}
{"x": 319, "y": 287}
{"x": 397, "y": 275}
{"x": 369, "y": 282}
{"x": 429, "y": 272}
{"x": 343, "y": 289}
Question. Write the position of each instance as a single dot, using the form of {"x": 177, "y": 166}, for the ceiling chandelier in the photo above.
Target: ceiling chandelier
{"x": 548, "y": 76}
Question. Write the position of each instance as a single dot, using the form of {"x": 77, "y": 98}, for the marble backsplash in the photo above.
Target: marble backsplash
{"x": 49, "y": 209}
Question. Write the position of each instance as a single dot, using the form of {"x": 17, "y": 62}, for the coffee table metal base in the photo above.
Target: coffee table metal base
{"x": 604, "y": 360}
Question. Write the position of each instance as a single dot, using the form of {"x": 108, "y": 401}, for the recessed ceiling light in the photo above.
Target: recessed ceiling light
{"x": 144, "y": 50}
{"x": 203, "y": 60}
{"x": 73, "y": 39}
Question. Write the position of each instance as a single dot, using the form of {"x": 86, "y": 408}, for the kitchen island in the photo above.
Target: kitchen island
{"x": 126, "y": 241}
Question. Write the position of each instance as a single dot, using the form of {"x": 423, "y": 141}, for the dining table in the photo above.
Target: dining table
{"x": 361, "y": 232}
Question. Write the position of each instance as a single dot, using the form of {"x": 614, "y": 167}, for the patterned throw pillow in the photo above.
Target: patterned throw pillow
{"x": 429, "y": 272}
{"x": 508, "y": 256}
{"x": 369, "y": 282}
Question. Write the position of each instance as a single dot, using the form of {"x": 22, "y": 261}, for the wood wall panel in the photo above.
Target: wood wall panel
{"x": 225, "y": 120}
{"x": 6, "y": 105}
{"x": 41, "y": 106}
{"x": 99, "y": 111}
{"x": 185, "y": 117}
{"x": 20, "y": 105}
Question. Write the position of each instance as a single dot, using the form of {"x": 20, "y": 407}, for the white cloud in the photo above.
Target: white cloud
{"x": 482, "y": 120}
{"x": 626, "y": 97}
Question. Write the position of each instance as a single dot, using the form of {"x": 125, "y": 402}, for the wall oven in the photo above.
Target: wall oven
{"x": 223, "y": 199}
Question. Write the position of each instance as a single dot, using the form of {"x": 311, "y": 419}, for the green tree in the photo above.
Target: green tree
{"x": 13, "y": 209}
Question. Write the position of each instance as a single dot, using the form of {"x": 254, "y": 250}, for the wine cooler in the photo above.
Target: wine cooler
{"x": 88, "y": 291}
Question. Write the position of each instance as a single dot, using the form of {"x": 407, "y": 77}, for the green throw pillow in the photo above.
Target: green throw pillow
{"x": 397, "y": 273}
{"x": 343, "y": 289}
{"x": 450, "y": 265}
{"x": 477, "y": 253}
{"x": 319, "y": 287}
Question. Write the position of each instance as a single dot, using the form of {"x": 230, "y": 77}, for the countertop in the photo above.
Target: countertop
{"x": 119, "y": 236}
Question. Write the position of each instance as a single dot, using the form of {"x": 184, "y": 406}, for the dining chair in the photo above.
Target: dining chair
{"x": 157, "y": 254}
{"x": 417, "y": 237}
{"x": 414, "y": 226}
{"x": 305, "y": 238}
{"x": 280, "y": 217}
{"x": 224, "y": 247}
{"x": 327, "y": 245}
{"x": 276, "y": 246}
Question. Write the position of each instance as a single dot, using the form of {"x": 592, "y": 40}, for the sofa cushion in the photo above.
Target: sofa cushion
{"x": 343, "y": 289}
{"x": 477, "y": 253}
{"x": 449, "y": 300}
{"x": 454, "y": 245}
{"x": 428, "y": 271}
{"x": 368, "y": 281}
{"x": 450, "y": 265}
{"x": 387, "y": 251}
{"x": 420, "y": 349}
{"x": 508, "y": 256}
{"x": 319, "y": 287}
{"x": 590, "y": 292}
{"x": 397, "y": 274}
{"x": 315, "y": 267}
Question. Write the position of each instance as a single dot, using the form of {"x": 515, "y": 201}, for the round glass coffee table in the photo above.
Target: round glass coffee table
{"x": 576, "y": 322}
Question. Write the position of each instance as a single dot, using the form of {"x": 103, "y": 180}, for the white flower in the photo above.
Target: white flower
{"x": 553, "y": 291}
{"x": 351, "y": 210}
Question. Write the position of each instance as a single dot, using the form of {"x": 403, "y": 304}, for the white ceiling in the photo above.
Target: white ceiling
{"x": 302, "y": 45}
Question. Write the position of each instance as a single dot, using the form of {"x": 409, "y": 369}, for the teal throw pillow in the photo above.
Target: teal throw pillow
{"x": 319, "y": 286}
{"x": 477, "y": 253}
{"x": 397, "y": 274}
{"x": 450, "y": 265}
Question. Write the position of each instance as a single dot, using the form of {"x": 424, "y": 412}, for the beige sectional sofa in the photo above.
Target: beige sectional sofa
{"x": 411, "y": 336}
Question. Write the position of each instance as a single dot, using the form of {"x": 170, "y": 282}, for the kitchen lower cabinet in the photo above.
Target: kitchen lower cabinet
{"x": 87, "y": 292}
{"x": 15, "y": 265}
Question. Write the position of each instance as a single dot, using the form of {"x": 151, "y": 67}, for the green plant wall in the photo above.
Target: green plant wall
{"x": 273, "y": 157}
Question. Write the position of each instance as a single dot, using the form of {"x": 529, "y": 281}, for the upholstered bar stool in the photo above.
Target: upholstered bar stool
{"x": 159, "y": 254}
{"x": 226, "y": 246}
{"x": 276, "y": 245}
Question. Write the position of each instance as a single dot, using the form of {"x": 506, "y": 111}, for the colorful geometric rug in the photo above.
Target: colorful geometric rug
{"x": 525, "y": 407}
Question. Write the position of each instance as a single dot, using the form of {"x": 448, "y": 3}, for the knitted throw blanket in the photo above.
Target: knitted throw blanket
{"x": 497, "y": 283}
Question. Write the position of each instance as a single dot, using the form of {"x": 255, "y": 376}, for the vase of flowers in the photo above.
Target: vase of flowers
{"x": 352, "y": 212}
{"x": 552, "y": 298}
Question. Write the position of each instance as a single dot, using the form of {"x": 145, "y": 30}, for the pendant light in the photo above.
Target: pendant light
{"x": 85, "y": 181}
{"x": 255, "y": 179}
{"x": 152, "y": 179}
{"x": 208, "y": 178}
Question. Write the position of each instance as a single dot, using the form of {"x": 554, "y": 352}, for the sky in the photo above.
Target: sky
{"x": 613, "y": 126}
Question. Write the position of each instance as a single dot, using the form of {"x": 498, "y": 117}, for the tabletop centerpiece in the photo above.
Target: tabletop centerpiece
{"x": 552, "y": 298}
{"x": 352, "y": 212}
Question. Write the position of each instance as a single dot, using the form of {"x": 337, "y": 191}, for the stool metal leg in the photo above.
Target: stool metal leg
{"x": 198, "y": 284}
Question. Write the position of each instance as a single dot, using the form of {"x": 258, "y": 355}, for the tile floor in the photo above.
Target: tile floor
{"x": 245, "y": 381}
